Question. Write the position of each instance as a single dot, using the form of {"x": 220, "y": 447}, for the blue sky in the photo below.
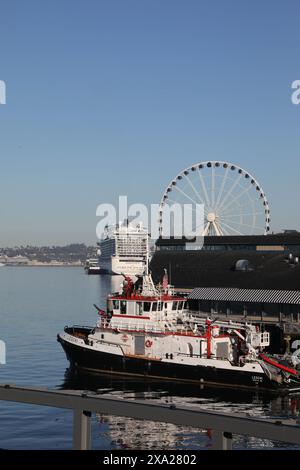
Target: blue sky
{"x": 116, "y": 97}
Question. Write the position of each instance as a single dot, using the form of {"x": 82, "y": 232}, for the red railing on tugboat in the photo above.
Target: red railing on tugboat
{"x": 278, "y": 365}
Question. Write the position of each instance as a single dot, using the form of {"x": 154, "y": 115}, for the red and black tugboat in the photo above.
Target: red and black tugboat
{"x": 148, "y": 331}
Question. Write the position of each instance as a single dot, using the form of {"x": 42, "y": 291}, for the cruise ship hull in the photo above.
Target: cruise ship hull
{"x": 96, "y": 362}
{"x": 116, "y": 265}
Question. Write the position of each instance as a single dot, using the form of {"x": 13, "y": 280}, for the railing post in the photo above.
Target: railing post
{"x": 81, "y": 430}
{"x": 221, "y": 440}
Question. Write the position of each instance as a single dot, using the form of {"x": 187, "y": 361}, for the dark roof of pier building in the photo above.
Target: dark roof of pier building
{"x": 288, "y": 238}
{"x": 189, "y": 269}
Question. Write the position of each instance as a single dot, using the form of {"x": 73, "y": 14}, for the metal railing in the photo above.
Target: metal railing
{"x": 150, "y": 327}
{"x": 83, "y": 404}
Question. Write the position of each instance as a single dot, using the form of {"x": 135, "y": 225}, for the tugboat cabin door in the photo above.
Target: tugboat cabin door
{"x": 139, "y": 345}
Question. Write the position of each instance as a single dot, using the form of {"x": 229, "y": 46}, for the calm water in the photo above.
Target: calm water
{"x": 35, "y": 304}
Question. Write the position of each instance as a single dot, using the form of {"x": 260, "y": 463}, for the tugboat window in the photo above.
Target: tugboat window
{"x": 139, "y": 308}
{"x": 154, "y": 306}
{"x": 147, "y": 306}
{"x": 123, "y": 306}
{"x": 180, "y": 304}
{"x": 174, "y": 306}
{"x": 116, "y": 304}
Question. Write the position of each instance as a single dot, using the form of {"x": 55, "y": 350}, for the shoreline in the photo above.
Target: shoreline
{"x": 43, "y": 265}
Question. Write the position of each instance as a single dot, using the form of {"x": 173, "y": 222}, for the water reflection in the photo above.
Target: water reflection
{"x": 111, "y": 284}
{"x": 127, "y": 433}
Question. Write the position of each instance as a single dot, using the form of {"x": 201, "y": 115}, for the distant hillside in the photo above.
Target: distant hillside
{"x": 67, "y": 253}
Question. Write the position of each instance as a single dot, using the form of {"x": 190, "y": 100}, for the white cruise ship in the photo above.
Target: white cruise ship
{"x": 124, "y": 249}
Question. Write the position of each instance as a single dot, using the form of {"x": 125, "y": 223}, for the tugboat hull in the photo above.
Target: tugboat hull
{"x": 85, "y": 358}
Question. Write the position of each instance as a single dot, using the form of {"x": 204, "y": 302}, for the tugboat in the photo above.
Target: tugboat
{"x": 148, "y": 331}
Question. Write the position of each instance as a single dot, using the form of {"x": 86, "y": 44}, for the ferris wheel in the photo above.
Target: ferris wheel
{"x": 234, "y": 202}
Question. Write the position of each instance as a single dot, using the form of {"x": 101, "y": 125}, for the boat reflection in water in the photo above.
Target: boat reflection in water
{"x": 128, "y": 433}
